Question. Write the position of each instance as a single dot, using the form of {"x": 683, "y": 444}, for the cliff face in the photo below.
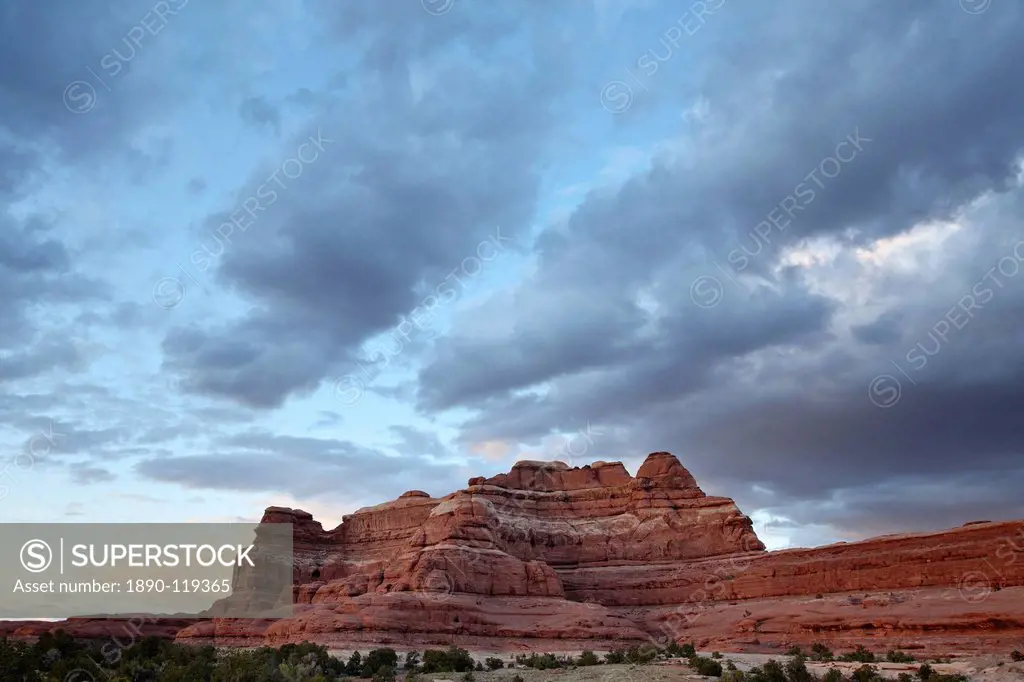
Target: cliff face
{"x": 515, "y": 534}
{"x": 551, "y": 553}
{"x": 552, "y": 557}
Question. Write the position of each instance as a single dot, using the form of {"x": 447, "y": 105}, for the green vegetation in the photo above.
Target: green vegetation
{"x": 58, "y": 657}
{"x": 858, "y": 655}
{"x": 385, "y": 673}
{"x": 897, "y": 656}
{"x": 545, "y": 661}
{"x": 833, "y": 675}
{"x": 865, "y": 673}
{"x": 452, "y": 660}
{"x": 642, "y": 655}
{"x": 796, "y": 670}
{"x": 706, "y": 666}
{"x": 379, "y": 659}
{"x": 926, "y": 672}
{"x": 820, "y": 652}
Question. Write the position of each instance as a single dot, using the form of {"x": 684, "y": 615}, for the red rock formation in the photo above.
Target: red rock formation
{"x": 126, "y": 629}
{"x": 567, "y": 558}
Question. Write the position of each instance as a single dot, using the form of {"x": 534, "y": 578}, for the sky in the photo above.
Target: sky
{"x": 315, "y": 254}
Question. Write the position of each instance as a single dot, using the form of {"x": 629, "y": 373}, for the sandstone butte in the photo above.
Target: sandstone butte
{"x": 552, "y": 558}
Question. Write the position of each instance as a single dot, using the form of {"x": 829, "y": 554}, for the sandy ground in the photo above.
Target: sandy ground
{"x": 990, "y": 668}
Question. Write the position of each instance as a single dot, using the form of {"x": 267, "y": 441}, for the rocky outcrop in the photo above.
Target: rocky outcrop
{"x": 513, "y": 535}
{"x": 572, "y": 557}
{"x": 124, "y": 629}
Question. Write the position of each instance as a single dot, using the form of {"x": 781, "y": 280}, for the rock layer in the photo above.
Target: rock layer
{"x": 593, "y": 557}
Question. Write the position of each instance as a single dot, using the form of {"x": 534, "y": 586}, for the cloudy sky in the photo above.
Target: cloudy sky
{"x": 316, "y": 254}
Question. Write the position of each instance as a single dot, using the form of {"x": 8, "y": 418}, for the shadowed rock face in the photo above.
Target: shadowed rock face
{"x": 566, "y": 557}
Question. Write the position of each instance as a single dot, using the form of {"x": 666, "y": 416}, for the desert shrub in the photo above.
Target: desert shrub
{"x": 459, "y": 659}
{"x": 820, "y": 652}
{"x": 771, "y": 671}
{"x": 58, "y": 656}
{"x": 517, "y": 678}
{"x": 674, "y": 650}
{"x": 435, "y": 661}
{"x": 706, "y": 666}
{"x": 897, "y": 656}
{"x": 452, "y": 660}
{"x": 354, "y": 667}
{"x": 588, "y": 658}
{"x": 733, "y": 676}
{"x": 795, "y": 651}
{"x": 377, "y": 659}
{"x": 858, "y": 655}
{"x": 688, "y": 650}
{"x": 715, "y": 654}
{"x": 541, "y": 662}
{"x": 494, "y": 663}
{"x": 641, "y": 655}
{"x": 1016, "y": 655}
{"x": 467, "y": 676}
{"x": 729, "y": 665}
{"x": 905, "y": 677}
{"x": 926, "y": 672}
{"x": 615, "y": 656}
{"x": 412, "y": 660}
{"x": 384, "y": 673}
{"x": 832, "y": 675}
{"x": 796, "y": 670}
{"x": 865, "y": 673}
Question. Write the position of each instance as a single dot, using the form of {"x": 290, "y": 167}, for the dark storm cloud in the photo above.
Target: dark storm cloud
{"x": 49, "y": 48}
{"x": 40, "y": 359}
{"x": 914, "y": 503}
{"x": 35, "y": 268}
{"x": 761, "y": 385}
{"x": 883, "y": 331}
{"x": 260, "y": 112}
{"x": 46, "y": 49}
{"x": 678, "y": 357}
{"x": 302, "y": 467}
{"x": 773, "y": 149}
{"x": 401, "y": 194}
{"x": 414, "y": 442}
